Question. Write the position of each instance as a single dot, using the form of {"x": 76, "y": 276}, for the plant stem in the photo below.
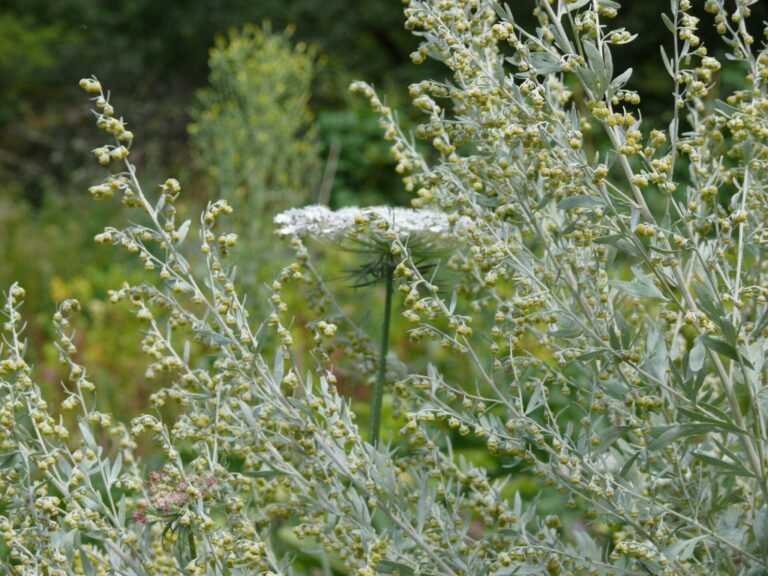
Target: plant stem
{"x": 378, "y": 391}
{"x": 326, "y": 565}
{"x": 192, "y": 547}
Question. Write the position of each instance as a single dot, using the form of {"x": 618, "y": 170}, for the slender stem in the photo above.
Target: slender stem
{"x": 192, "y": 546}
{"x": 378, "y": 391}
{"x": 326, "y": 565}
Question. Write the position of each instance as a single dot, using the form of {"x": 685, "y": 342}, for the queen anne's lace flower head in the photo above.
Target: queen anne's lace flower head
{"x": 384, "y": 233}
{"x": 377, "y": 222}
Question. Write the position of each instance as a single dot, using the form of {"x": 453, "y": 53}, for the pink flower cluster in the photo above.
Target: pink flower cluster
{"x": 169, "y": 494}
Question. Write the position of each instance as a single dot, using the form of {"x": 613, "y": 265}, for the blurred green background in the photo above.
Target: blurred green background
{"x": 245, "y": 99}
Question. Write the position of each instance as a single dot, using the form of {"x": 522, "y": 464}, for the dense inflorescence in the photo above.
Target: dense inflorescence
{"x": 605, "y": 323}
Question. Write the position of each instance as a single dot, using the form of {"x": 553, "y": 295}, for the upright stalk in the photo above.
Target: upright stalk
{"x": 192, "y": 547}
{"x": 378, "y": 391}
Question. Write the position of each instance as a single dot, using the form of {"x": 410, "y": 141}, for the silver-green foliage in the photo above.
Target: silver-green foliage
{"x": 627, "y": 284}
{"x": 609, "y": 320}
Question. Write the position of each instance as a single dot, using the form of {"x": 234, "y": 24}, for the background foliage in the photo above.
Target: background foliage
{"x": 253, "y": 131}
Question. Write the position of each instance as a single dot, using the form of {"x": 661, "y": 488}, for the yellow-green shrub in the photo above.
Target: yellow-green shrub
{"x": 253, "y": 128}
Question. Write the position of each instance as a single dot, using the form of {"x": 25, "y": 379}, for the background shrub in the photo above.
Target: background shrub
{"x": 254, "y": 133}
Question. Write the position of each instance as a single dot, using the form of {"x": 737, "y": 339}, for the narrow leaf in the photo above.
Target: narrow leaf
{"x": 665, "y": 435}
{"x": 696, "y": 357}
{"x": 668, "y": 23}
{"x": 183, "y": 230}
{"x": 576, "y": 5}
{"x": 732, "y": 467}
{"x": 666, "y": 61}
{"x": 683, "y": 549}
{"x": 638, "y": 290}
{"x": 717, "y": 345}
{"x": 580, "y": 201}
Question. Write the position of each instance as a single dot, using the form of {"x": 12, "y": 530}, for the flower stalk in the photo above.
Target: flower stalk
{"x": 377, "y": 401}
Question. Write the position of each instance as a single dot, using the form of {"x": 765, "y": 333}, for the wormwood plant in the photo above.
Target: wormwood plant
{"x": 610, "y": 317}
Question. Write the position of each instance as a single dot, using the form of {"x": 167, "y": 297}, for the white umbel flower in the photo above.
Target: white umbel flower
{"x": 322, "y": 223}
